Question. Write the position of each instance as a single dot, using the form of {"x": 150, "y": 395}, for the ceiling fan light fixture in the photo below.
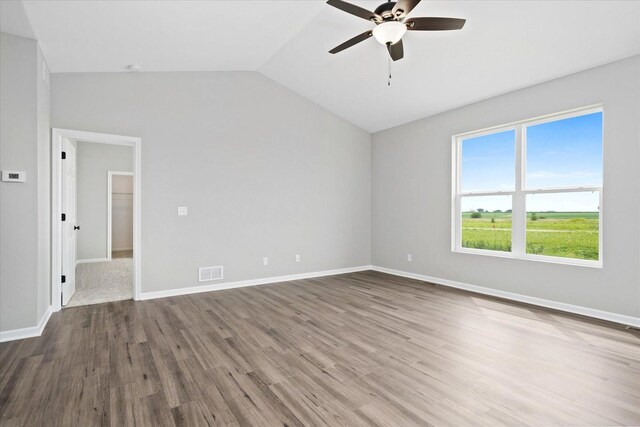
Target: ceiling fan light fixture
{"x": 391, "y": 25}
{"x": 389, "y": 32}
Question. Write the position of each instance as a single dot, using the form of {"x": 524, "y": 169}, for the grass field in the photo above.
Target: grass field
{"x": 561, "y": 234}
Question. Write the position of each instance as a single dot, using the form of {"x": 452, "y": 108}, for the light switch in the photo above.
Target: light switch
{"x": 182, "y": 210}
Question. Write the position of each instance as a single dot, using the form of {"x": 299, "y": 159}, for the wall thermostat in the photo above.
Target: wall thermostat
{"x": 14, "y": 176}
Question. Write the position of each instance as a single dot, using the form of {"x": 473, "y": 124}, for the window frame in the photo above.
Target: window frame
{"x": 520, "y": 192}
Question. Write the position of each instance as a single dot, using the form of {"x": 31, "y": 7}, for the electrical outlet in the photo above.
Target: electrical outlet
{"x": 265, "y": 261}
{"x": 409, "y": 257}
{"x": 297, "y": 258}
{"x": 182, "y": 210}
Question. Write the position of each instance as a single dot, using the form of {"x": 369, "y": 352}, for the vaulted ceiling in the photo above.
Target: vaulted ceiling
{"x": 505, "y": 45}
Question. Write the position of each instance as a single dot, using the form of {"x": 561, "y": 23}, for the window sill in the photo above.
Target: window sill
{"x": 536, "y": 258}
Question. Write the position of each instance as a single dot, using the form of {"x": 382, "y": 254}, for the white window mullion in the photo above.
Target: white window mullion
{"x": 600, "y": 233}
{"x": 487, "y": 193}
{"x": 456, "y": 220}
{"x": 563, "y": 190}
{"x": 519, "y": 210}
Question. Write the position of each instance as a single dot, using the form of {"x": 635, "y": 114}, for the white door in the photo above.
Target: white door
{"x": 69, "y": 227}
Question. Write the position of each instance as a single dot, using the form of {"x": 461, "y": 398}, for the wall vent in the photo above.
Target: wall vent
{"x": 206, "y": 274}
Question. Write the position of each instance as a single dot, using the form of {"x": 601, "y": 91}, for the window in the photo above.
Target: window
{"x": 532, "y": 189}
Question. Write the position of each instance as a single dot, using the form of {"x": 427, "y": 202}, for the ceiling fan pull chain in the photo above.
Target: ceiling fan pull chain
{"x": 389, "y": 78}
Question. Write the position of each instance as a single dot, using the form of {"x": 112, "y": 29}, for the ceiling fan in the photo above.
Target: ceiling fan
{"x": 391, "y": 24}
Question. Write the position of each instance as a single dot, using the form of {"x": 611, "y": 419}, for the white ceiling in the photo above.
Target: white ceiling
{"x": 164, "y": 35}
{"x": 13, "y": 19}
{"x": 505, "y": 45}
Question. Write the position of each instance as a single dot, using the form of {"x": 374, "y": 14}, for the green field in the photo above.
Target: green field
{"x": 561, "y": 234}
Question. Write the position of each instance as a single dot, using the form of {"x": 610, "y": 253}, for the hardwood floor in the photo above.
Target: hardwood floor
{"x": 357, "y": 349}
{"x": 121, "y": 254}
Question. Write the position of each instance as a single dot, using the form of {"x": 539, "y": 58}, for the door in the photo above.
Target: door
{"x": 69, "y": 227}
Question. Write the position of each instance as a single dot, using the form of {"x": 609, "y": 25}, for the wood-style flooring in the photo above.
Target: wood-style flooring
{"x": 356, "y": 349}
{"x": 121, "y": 254}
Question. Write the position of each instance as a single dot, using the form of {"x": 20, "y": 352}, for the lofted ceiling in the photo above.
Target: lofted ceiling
{"x": 164, "y": 35}
{"x": 505, "y": 45}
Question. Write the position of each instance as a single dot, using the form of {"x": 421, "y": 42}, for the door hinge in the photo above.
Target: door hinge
{"x": 64, "y": 155}
{"x": 64, "y": 217}
{"x": 63, "y": 279}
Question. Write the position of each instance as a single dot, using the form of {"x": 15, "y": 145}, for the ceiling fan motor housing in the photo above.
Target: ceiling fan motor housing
{"x": 386, "y": 11}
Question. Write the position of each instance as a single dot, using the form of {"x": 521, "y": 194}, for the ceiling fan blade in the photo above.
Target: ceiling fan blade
{"x": 403, "y": 7}
{"x": 434, "y": 24}
{"x": 354, "y": 10}
{"x": 355, "y": 40}
{"x": 396, "y": 50}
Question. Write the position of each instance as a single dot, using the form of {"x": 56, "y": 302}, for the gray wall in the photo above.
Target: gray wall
{"x": 23, "y": 209}
{"x": 93, "y": 161}
{"x": 263, "y": 172}
{"x": 411, "y": 185}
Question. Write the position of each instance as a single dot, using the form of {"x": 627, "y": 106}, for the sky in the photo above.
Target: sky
{"x": 562, "y": 153}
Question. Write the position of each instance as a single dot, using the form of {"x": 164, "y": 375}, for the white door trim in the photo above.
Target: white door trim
{"x": 56, "y": 203}
{"x": 110, "y": 175}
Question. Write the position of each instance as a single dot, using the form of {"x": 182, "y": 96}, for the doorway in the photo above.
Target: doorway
{"x": 120, "y": 214}
{"x": 96, "y": 218}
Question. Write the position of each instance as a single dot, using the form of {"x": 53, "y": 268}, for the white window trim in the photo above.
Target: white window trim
{"x": 518, "y": 195}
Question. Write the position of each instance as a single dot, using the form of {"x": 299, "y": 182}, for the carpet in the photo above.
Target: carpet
{"x": 98, "y": 282}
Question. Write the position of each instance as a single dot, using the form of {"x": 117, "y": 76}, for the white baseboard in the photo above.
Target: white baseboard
{"x": 252, "y": 282}
{"x": 576, "y": 309}
{"x": 34, "y": 331}
{"x": 84, "y": 261}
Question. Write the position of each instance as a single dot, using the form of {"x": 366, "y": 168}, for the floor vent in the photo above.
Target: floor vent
{"x": 206, "y": 274}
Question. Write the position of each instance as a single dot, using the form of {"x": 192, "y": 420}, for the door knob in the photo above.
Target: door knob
{"x": 76, "y": 227}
